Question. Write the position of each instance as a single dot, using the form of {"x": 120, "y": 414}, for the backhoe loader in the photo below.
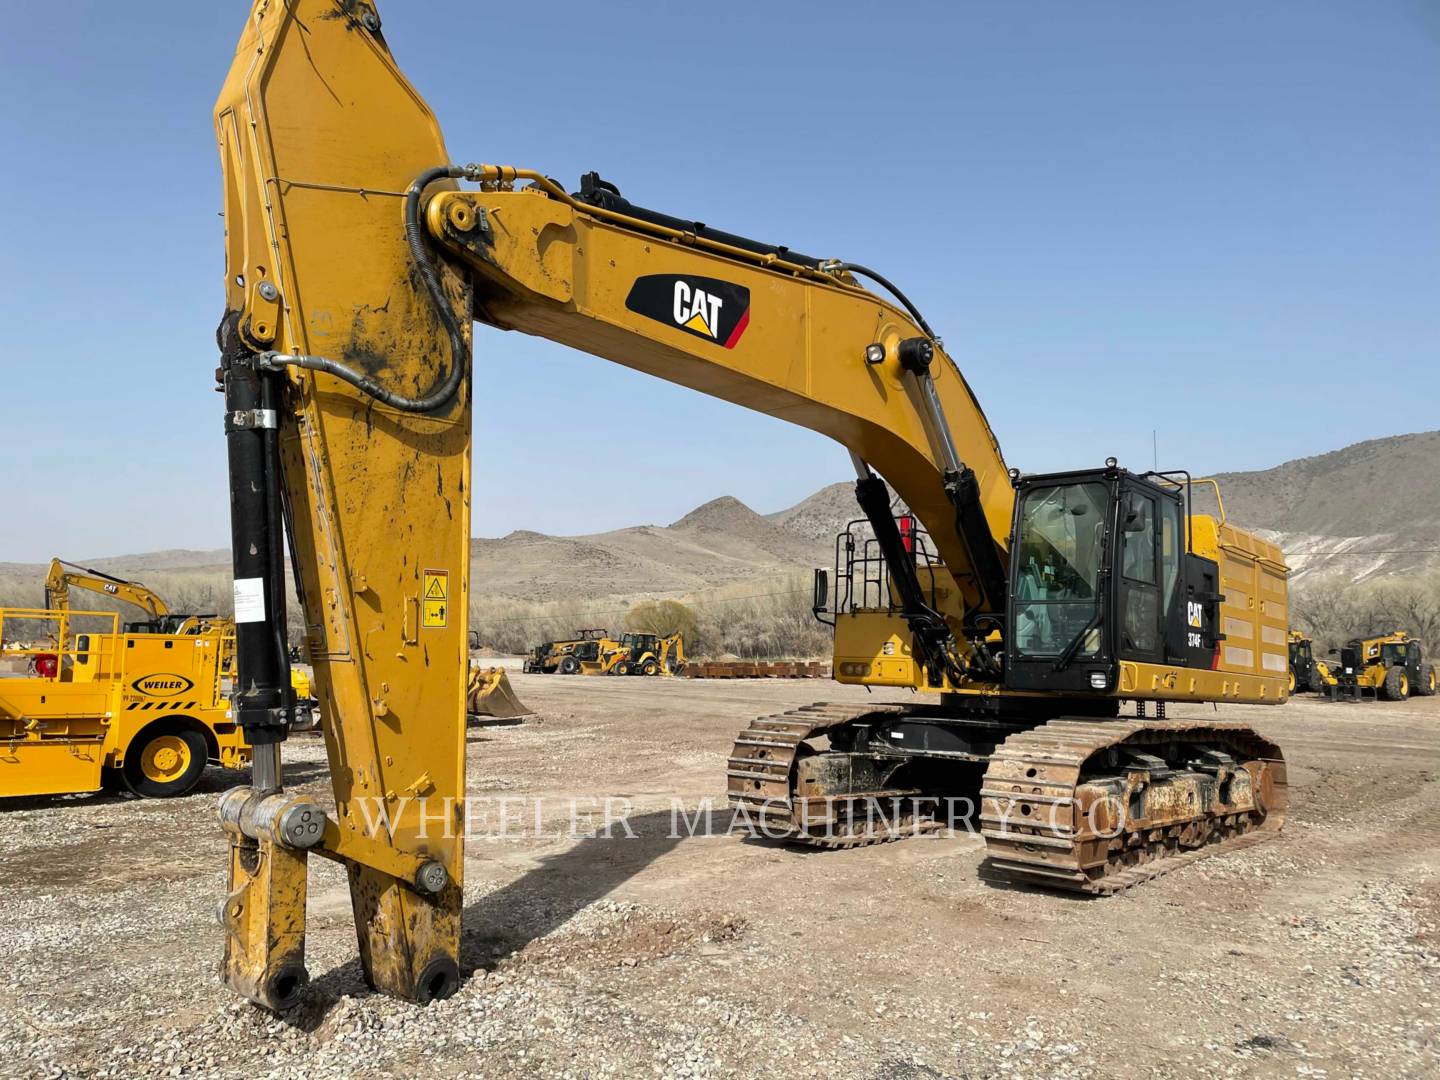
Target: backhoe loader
{"x": 568, "y": 657}
{"x": 1392, "y": 668}
{"x": 632, "y": 654}
{"x": 635, "y": 654}
{"x": 605, "y": 656}
{"x": 650, "y": 654}
{"x": 1024, "y": 613}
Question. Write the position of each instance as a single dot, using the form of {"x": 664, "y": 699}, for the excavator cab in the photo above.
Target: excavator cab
{"x": 1102, "y": 571}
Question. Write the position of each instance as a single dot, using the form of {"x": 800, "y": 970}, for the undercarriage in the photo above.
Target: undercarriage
{"x": 1082, "y": 804}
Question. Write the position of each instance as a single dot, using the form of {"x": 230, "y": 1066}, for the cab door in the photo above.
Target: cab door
{"x": 1413, "y": 666}
{"x": 1140, "y": 622}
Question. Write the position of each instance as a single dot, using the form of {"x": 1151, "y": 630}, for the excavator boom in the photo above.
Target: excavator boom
{"x": 63, "y": 576}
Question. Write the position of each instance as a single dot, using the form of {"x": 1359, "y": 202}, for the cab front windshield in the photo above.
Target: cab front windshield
{"x": 1059, "y": 545}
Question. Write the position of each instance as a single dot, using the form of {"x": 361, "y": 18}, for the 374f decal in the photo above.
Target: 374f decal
{"x": 1195, "y": 616}
{"x": 718, "y": 311}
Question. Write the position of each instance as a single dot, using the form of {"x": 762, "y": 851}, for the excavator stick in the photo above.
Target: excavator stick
{"x": 320, "y": 138}
{"x": 490, "y": 694}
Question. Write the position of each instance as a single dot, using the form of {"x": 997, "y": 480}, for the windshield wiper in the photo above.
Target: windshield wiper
{"x": 1065, "y": 658}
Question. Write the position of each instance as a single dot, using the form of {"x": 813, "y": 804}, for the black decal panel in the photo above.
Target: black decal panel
{"x": 717, "y": 311}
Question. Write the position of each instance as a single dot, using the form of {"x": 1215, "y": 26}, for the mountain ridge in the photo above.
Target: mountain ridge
{"x": 1365, "y": 510}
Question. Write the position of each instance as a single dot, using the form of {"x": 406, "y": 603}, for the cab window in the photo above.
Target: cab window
{"x": 1138, "y": 563}
{"x": 1172, "y": 533}
{"x": 1059, "y": 554}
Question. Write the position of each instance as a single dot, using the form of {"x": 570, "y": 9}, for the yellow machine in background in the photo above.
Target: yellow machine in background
{"x": 102, "y": 705}
{"x": 1307, "y": 675}
{"x": 355, "y": 264}
{"x": 63, "y": 576}
{"x": 606, "y": 654}
{"x": 1391, "y": 667}
{"x": 633, "y": 654}
{"x": 569, "y": 656}
{"x": 649, "y": 654}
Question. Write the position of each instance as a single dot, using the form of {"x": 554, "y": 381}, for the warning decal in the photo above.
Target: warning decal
{"x": 435, "y": 599}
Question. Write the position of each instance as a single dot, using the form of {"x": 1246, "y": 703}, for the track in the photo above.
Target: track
{"x": 761, "y": 772}
{"x": 1089, "y": 806}
{"x": 1096, "y": 807}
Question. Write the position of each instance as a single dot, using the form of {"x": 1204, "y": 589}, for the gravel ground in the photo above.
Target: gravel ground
{"x": 1315, "y": 954}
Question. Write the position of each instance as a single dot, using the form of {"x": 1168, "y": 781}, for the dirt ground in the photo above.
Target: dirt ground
{"x": 1315, "y": 954}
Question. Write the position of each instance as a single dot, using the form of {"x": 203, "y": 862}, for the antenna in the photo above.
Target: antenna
{"x": 1154, "y": 449}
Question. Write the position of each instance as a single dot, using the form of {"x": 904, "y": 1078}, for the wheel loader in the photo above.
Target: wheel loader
{"x": 1044, "y": 625}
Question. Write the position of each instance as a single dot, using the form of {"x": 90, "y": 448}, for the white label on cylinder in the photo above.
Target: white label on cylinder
{"x": 249, "y": 599}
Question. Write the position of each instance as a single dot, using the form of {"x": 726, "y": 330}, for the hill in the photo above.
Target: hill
{"x": 718, "y": 543}
{"x": 1367, "y": 510}
{"x": 1372, "y": 509}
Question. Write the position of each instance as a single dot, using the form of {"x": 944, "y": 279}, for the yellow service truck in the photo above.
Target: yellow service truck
{"x": 85, "y": 705}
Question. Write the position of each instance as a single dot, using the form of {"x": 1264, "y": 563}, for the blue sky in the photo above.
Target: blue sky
{"x": 1219, "y": 220}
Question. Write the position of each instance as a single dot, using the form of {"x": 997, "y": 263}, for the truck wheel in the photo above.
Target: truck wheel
{"x": 569, "y": 666}
{"x": 650, "y": 667}
{"x": 1292, "y": 681}
{"x": 1425, "y": 686}
{"x": 1396, "y": 686}
{"x": 165, "y": 761}
{"x": 622, "y": 668}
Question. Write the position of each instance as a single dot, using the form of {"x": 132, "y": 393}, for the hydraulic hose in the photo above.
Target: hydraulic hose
{"x": 446, "y": 386}
{"x": 889, "y": 286}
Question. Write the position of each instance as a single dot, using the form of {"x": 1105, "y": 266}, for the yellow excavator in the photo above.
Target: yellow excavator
{"x": 1026, "y": 608}
{"x": 62, "y": 576}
